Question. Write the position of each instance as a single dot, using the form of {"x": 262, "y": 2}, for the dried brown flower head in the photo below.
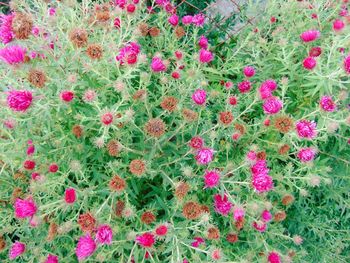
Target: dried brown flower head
{"x": 37, "y": 78}
{"x": 154, "y": 31}
{"x": 117, "y": 184}
{"x": 143, "y": 28}
{"x": 103, "y": 15}
{"x": 284, "y": 149}
{"x": 240, "y": 128}
{"x": 213, "y": 233}
{"x": 283, "y": 124}
{"x": 137, "y": 167}
{"x": 226, "y": 117}
{"x": 189, "y": 115}
{"x": 155, "y": 127}
{"x": 119, "y": 207}
{"x": 113, "y": 148}
{"x": 148, "y": 218}
{"x": 22, "y": 25}
{"x": 232, "y": 238}
{"x": 77, "y": 130}
{"x": 140, "y": 94}
{"x": 52, "y": 232}
{"x": 181, "y": 190}
{"x": 180, "y": 32}
{"x": 87, "y": 222}
{"x": 169, "y": 103}
{"x": 205, "y": 209}
{"x": 19, "y": 176}
{"x": 16, "y": 193}
{"x": 287, "y": 199}
{"x": 192, "y": 210}
{"x": 240, "y": 224}
{"x": 2, "y": 243}
{"x": 94, "y": 51}
{"x": 280, "y": 216}
{"x": 261, "y": 155}
{"x": 78, "y": 37}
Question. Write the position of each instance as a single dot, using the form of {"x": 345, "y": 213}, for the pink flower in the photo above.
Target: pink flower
{"x": 205, "y": 56}
{"x": 266, "y": 216}
{"x": 67, "y": 95}
{"x": 211, "y": 179}
{"x": 173, "y": 20}
{"x": 120, "y": 3}
{"x": 271, "y": 84}
{"x": 198, "y": 20}
{"x": 327, "y": 104}
{"x": 196, "y": 142}
{"x": 238, "y": 214}
{"x": 216, "y": 254}
{"x": 51, "y": 259}
{"x": 9, "y": 123}
{"x": 315, "y": 51}
{"x": 309, "y": 63}
{"x": 13, "y": 54}
{"x": 104, "y": 234}
{"x": 249, "y": 71}
{"x": 19, "y": 100}
{"x": 146, "y": 240}
{"x": 16, "y": 250}
{"x": 204, "y": 156}
{"x": 274, "y": 257}
{"x": 306, "y": 154}
{"x": 30, "y": 149}
{"x": 53, "y": 168}
{"x": 6, "y": 33}
{"x": 24, "y": 208}
{"x": 222, "y": 205}
{"x": 265, "y": 92}
{"x": 347, "y": 64}
{"x": 157, "y": 65}
{"x": 262, "y": 183}
{"x": 306, "y": 129}
{"x": 132, "y": 49}
{"x": 161, "y": 230}
{"x": 107, "y": 118}
{"x": 310, "y": 35}
{"x": 338, "y": 25}
{"x": 186, "y": 20}
{"x": 244, "y": 86}
{"x": 260, "y": 226}
{"x": 251, "y": 156}
{"x": 89, "y": 95}
{"x": 198, "y": 241}
{"x": 203, "y": 42}
{"x": 178, "y": 54}
{"x": 272, "y": 105}
{"x": 232, "y": 100}
{"x": 52, "y": 11}
{"x": 29, "y": 164}
{"x": 199, "y": 96}
{"x": 117, "y": 22}
{"x": 85, "y": 248}
{"x": 70, "y": 195}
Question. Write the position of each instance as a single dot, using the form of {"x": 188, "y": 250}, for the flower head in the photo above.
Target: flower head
{"x": 173, "y": 20}
{"x": 19, "y": 100}
{"x": 327, "y": 104}
{"x": 104, "y": 234}
{"x": 310, "y": 35}
{"x": 309, "y": 63}
{"x": 211, "y": 179}
{"x": 338, "y": 25}
{"x": 306, "y": 129}
{"x": 51, "y": 259}
{"x": 274, "y": 257}
{"x": 238, "y": 213}
{"x": 347, "y": 64}
{"x": 13, "y": 54}
{"x": 157, "y": 65}
{"x": 199, "y": 96}
{"x": 69, "y": 195}
{"x": 6, "y": 32}
{"x": 25, "y": 208}
{"x": 67, "y": 95}
{"x": 266, "y": 216}
{"x": 249, "y": 71}
{"x": 203, "y": 42}
{"x": 196, "y": 142}
{"x": 244, "y": 86}
{"x": 85, "y": 248}
{"x": 222, "y": 205}
{"x": 145, "y": 240}
{"x": 306, "y": 154}
{"x": 272, "y": 105}
{"x": 16, "y": 250}
{"x": 205, "y": 56}
{"x": 204, "y": 156}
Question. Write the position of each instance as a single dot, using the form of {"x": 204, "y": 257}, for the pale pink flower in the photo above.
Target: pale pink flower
{"x": 205, "y": 56}
{"x": 310, "y": 35}
{"x": 222, "y": 205}
{"x": 238, "y": 213}
{"x": 16, "y": 250}
{"x": 338, "y": 25}
{"x": 327, "y": 104}
{"x": 306, "y": 154}
{"x": 274, "y": 257}
{"x": 51, "y": 259}
{"x": 272, "y": 105}
{"x": 13, "y": 54}
{"x": 19, "y": 100}
{"x": 104, "y": 234}
{"x": 173, "y": 20}
{"x": 85, "y": 248}
{"x": 211, "y": 179}
{"x": 199, "y": 96}
{"x": 260, "y": 226}
{"x": 266, "y": 216}
{"x": 216, "y": 254}
{"x": 6, "y": 33}
{"x": 146, "y": 240}
{"x": 10, "y": 123}
{"x": 306, "y": 129}
{"x": 249, "y": 71}
{"x": 24, "y": 208}
{"x": 204, "y": 156}
{"x": 157, "y": 65}
{"x": 89, "y": 95}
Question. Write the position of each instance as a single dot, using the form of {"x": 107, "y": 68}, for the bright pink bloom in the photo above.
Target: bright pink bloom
{"x": 222, "y": 205}
{"x": 29, "y": 164}
{"x": 13, "y": 54}
{"x": 117, "y": 22}
{"x": 199, "y": 96}
{"x": 196, "y": 142}
{"x": 175, "y": 75}
{"x": 309, "y": 63}
{"x": 24, "y": 208}
{"x": 52, "y": 11}
{"x": 315, "y": 51}
{"x": 157, "y": 65}
{"x": 178, "y": 55}
{"x": 266, "y": 216}
{"x": 262, "y": 183}
{"x": 338, "y": 25}
{"x": 203, "y": 42}
{"x": 271, "y": 84}
{"x": 347, "y": 64}
{"x": 19, "y": 100}
{"x": 70, "y": 195}
{"x": 198, "y": 20}
{"x": 265, "y": 92}
{"x": 173, "y": 20}
{"x": 146, "y": 240}
{"x": 131, "y": 49}
{"x": 53, "y": 168}
{"x": 238, "y": 214}
{"x": 273, "y": 19}
{"x": 306, "y": 129}
{"x": 204, "y": 156}
{"x": 211, "y": 179}
{"x": 51, "y": 259}
{"x": 130, "y": 8}
{"x": 327, "y": 104}
{"x": 310, "y": 35}
{"x": 260, "y": 226}
{"x": 30, "y": 149}
{"x": 186, "y": 20}
{"x": 6, "y": 33}
{"x": 120, "y": 3}
{"x": 251, "y": 156}
{"x": 205, "y": 56}
{"x": 198, "y": 241}
{"x": 306, "y": 154}
{"x": 104, "y": 234}
{"x": 161, "y": 230}
{"x": 16, "y": 250}
{"x": 67, "y": 95}
{"x": 107, "y": 118}
{"x": 85, "y": 248}
{"x": 274, "y": 257}
{"x": 35, "y": 176}
{"x": 232, "y": 100}
{"x": 244, "y": 86}
{"x": 249, "y": 71}
{"x": 272, "y": 105}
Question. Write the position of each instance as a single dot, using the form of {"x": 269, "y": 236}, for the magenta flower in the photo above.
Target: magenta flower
{"x": 51, "y": 259}
{"x": 198, "y": 241}
{"x": 19, "y": 100}
{"x": 244, "y": 86}
{"x": 198, "y": 20}
{"x": 249, "y": 71}
{"x": 306, "y": 154}
{"x": 309, "y": 63}
{"x": 315, "y": 52}
{"x": 204, "y": 156}
{"x": 67, "y": 95}
{"x": 262, "y": 183}
{"x": 13, "y": 54}
{"x": 186, "y": 20}
{"x": 199, "y": 96}
{"x": 306, "y": 129}
{"x": 85, "y": 248}
{"x": 203, "y": 42}
{"x": 272, "y": 105}
{"x": 338, "y": 25}
{"x": 157, "y": 65}
{"x": 104, "y": 234}
{"x": 310, "y": 35}
{"x": 146, "y": 240}
{"x": 196, "y": 142}
{"x": 24, "y": 208}
{"x": 347, "y": 64}
{"x": 327, "y": 104}
{"x": 260, "y": 226}
{"x": 161, "y": 230}
{"x": 6, "y": 33}
{"x": 274, "y": 257}
{"x": 173, "y": 20}
{"x": 132, "y": 49}
{"x": 265, "y": 92}
{"x": 16, "y": 250}
{"x": 205, "y": 56}
{"x": 238, "y": 214}
{"x": 222, "y": 205}
{"x": 266, "y": 216}
{"x": 211, "y": 179}
{"x": 70, "y": 195}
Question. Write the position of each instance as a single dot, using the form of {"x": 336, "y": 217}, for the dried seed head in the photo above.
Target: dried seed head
{"x": 77, "y": 130}
{"x": 213, "y": 233}
{"x": 16, "y": 193}
{"x": 261, "y": 155}
{"x": 87, "y": 222}
{"x": 180, "y": 32}
{"x": 113, "y": 147}
{"x": 287, "y": 199}
{"x": 2, "y": 243}
{"x": 119, "y": 207}
{"x": 169, "y": 103}
{"x": 155, "y": 127}
{"x": 117, "y": 184}
{"x": 94, "y": 51}
{"x": 232, "y": 238}
{"x": 226, "y": 117}
{"x": 137, "y": 167}
{"x": 298, "y": 240}
{"x": 181, "y": 190}
{"x": 143, "y": 28}
{"x": 283, "y": 124}
{"x": 284, "y": 149}
{"x": 22, "y": 25}
{"x": 192, "y": 210}
{"x": 154, "y": 31}
{"x": 240, "y": 127}
{"x": 148, "y": 218}
{"x": 52, "y": 231}
{"x": 280, "y": 216}
{"x": 240, "y": 224}
{"x": 75, "y": 166}
{"x": 140, "y": 94}
{"x": 189, "y": 115}
{"x": 103, "y": 15}
{"x": 78, "y": 37}
{"x": 37, "y": 78}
